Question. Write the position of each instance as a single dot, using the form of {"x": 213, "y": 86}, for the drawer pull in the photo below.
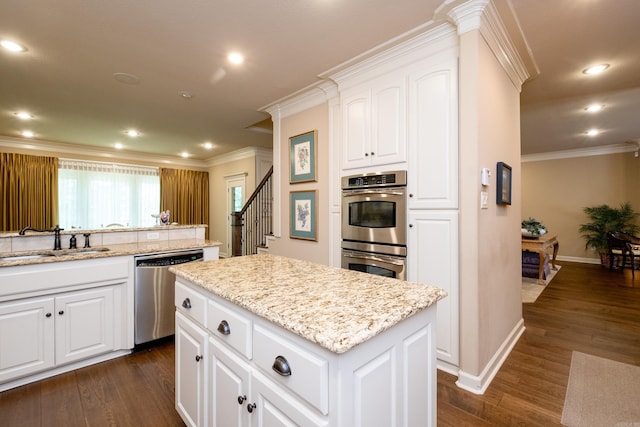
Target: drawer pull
{"x": 251, "y": 407}
{"x": 241, "y": 399}
{"x": 48, "y": 314}
{"x": 61, "y": 312}
{"x": 186, "y": 303}
{"x": 198, "y": 358}
{"x": 281, "y": 366}
{"x": 224, "y": 328}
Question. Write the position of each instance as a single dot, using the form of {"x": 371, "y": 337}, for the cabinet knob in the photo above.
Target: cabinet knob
{"x": 373, "y": 154}
{"x": 198, "y": 358}
{"x": 251, "y": 407}
{"x": 48, "y": 315}
{"x": 410, "y": 194}
{"x": 61, "y": 312}
{"x": 366, "y": 154}
{"x": 241, "y": 399}
{"x": 186, "y": 303}
{"x": 224, "y": 328}
{"x": 410, "y": 225}
{"x": 281, "y": 366}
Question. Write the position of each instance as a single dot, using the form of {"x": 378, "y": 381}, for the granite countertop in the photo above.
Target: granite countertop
{"x": 332, "y": 307}
{"x": 148, "y": 247}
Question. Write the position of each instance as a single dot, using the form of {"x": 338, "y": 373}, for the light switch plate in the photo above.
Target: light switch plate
{"x": 484, "y": 200}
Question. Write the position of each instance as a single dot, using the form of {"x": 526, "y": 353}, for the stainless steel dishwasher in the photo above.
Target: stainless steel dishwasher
{"x": 154, "y": 293}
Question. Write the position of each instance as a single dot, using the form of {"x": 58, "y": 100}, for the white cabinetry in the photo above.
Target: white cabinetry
{"x": 258, "y": 374}
{"x": 374, "y": 123}
{"x": 61, "y": 316}
{"x": 432, "y": 176}
{"x": 84, "y": 324}
{"x": 433, "y": 258}
{"x": 26, "y": 337}
{"x": 191, "y": 356}
{"x": 38, "y": 333}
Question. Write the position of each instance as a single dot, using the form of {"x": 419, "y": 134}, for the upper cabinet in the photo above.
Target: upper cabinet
{"x": 374, "y": 123}
{"x": 432, "y": 175}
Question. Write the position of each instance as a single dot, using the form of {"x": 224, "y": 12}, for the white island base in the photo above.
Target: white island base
{"x": 235, "y": 368}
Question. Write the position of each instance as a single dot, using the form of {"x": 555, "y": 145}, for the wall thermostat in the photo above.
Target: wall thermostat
{"x": 485, "y": 174}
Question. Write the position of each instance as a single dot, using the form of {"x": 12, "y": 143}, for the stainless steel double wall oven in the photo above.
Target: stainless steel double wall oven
{"x": 374, "y": 228}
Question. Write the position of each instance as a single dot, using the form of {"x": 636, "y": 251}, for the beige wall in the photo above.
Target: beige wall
{"x": 218, "y": 222}
{"x": 556, "y": 191}
{"x": 490, "y": 262}
{"x": 314, "y": 118}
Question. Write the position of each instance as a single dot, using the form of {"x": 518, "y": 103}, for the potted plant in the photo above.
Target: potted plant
{"x": 603, "y": 220}
{"x": 533, "y": 228}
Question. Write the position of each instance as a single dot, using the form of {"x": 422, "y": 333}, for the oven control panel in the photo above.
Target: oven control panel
{"x": 383, "y": 179}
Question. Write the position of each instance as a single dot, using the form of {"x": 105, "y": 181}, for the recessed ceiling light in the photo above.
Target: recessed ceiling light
{"x": 593, "y": 108}
{"x": 595, "y": 69}
{"x": 235, "y": 58}
{"x": 12, "y": 46}
{"x": 118, "y": 146}
{"x": 132, "y": 133}
{"x": 27, "y": 134}
{"x": 186, "y": 94}
{"x": 23, "y": 115}
{"x": 592, "y": 132}
{"x": 185, "y": 154}
{"x": 208, "y": 145}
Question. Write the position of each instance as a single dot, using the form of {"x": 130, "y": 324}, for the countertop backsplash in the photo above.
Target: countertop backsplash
{"x": 34, "y": 241}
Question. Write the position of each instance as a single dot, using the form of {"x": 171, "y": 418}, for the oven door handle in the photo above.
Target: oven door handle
{"x": 349, "y": 193}
{"x": 373, "y": 258}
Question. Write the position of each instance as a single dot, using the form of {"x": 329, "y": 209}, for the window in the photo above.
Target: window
{"x": 94, "y": 195}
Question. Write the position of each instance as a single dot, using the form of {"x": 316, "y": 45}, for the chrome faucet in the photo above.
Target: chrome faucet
{"x": 56, "y": 230}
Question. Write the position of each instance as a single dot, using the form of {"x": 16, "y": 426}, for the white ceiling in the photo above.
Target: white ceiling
{"x": 66, "y": 79}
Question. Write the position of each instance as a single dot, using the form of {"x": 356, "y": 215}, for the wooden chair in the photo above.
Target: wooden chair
{"x": 621, "y": 243}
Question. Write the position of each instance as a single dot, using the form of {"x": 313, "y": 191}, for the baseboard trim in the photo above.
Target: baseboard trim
{"x": 478, "y": 384}
{"x": 579, "y": 259}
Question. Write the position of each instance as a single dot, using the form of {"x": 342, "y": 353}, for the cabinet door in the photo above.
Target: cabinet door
{"x": 229, "y": 388}
{"x": 432, "y": 258}
{"x": 84, "y": 324}
{"x": 433, "y": 135}
{"x": 26, "y": 337}
{"x": 191, "y": 371}
{"x": 275, "y": 407}
{"x": 356, "y": 125}
{"x": 389, "y": 121}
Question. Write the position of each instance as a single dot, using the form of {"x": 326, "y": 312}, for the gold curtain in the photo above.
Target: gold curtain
{"x": 185, "y": 193}
{"x": 28, "y": 191}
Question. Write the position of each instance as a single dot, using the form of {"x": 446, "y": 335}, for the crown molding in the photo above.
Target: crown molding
{"x": 420, "y": 46}
{"x": 75, "y": 150}
{"x": 243, "y": 153}
{"x": 581, "y": 152}
{"x": 507, "y": 44}
{"x": 308, "y": 97}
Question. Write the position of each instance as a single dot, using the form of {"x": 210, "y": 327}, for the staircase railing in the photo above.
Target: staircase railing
{"x": 251, "y": 225}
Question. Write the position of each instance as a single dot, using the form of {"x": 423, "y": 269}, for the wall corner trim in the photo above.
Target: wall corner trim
{"x": 478, "y": 384}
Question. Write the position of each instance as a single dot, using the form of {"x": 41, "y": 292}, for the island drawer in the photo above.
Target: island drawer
{"x": 301, "y": 371}
{"x": 231, "y": 327}
{"x": 188, "y": 301}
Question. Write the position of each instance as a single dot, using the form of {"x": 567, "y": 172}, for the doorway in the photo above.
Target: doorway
{"x": 236, "y": 185}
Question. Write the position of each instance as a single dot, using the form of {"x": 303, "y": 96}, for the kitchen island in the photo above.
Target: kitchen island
{"x": 288, "y": 341}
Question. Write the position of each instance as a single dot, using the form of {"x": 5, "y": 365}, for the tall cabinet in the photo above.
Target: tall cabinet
{"x": 399, "y": 110}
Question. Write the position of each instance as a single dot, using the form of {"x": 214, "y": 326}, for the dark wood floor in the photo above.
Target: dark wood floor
{"x": 585, "y": 308}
